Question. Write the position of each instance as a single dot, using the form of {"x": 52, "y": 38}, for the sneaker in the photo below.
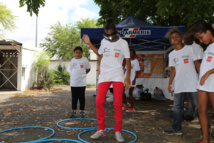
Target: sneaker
{"x": 118, "y": 136}
{"x": 131, "y": 110}
{"x": 73, "y": 114}
{"x": 82, "y": 114}
{"x": 98, "y": 134}
{"x": 172, "y": 132}
{"x": 110, "y": 99}
{"x": 126, "y": 106}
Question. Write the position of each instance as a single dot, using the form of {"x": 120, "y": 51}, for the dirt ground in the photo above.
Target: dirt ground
{"x": 42, "y": 108}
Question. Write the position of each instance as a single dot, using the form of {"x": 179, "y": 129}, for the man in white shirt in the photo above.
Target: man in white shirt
{"x": 185, "y": 76}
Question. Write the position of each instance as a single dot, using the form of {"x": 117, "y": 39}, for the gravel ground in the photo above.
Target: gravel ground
{"x": 47, "y": 108}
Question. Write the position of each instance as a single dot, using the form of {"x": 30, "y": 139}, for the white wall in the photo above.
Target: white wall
{"x": 91, "y": 76}
{"x": 28, "y": 75}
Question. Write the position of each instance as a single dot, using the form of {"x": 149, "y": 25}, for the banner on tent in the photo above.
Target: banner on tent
{"x": 133, "y": 32}
{"x": 151, "y": 65}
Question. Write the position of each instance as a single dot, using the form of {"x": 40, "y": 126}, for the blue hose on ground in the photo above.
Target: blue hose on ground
{"x": 48, "y": 140}
{"x": 107, "y": 129}
{"x": 29, "y": 127}
{"x": 89, "y": 128}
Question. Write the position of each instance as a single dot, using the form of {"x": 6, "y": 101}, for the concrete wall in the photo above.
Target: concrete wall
{"x": 28, "y": 75}
{"x": 91, "y": 76}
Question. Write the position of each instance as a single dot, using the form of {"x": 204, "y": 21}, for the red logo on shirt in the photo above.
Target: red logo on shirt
{"x": 131, "y": 67}
{"x": 186, "y": 61}
{"x": 116, "y": 55}
{"x": 209, "y": 59}
{"x": 81, "y": 66}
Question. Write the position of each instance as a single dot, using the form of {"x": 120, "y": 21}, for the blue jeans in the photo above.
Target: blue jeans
{"x": 178, "y": 108}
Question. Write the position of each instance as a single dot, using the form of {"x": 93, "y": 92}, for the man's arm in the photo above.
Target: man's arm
{"x": 172, "y": 76}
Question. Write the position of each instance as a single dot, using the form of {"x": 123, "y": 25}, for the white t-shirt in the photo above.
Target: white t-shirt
{"x": 134, "y": 67}
{"x": 206, "y": 65}
{"x": 113, "y": 55}
{"x": 198, "y": 51}
{"x": 78, "y": 71}
{"x": 186, "y": 77}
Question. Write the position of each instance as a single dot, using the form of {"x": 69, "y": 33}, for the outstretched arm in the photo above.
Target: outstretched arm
{"x": 86, "y": 39}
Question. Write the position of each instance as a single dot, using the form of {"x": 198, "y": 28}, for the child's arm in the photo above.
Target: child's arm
{"x": 197, "y": 65}
{"x": 133, "y": 82}
{"x": 127, "y": 82}
{"x": 172, "y": 76}
{"x": 205, "y": 76}
{"x": 87, "y": 71}
{"x": 86, "y": 39}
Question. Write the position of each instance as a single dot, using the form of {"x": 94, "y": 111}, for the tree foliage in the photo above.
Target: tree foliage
{"x": 157, "y": 12}
{"x": 62, "y": 39}
{"x": 61, "y": 76}
{"x": 32, "y": 5}
{"x": 7, "y": 20}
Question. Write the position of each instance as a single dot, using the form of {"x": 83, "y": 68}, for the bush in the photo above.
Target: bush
{"x": 44, "y": 75}
{"x": 61, "y": 75}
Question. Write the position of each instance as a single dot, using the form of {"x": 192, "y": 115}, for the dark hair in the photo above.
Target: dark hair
{"x": 78, "y": 48}
{"x": 202, "y": 27}
{"x": 110, "y": 25}
{"x": 132, "y": 51}
{"x": 188, "y": 38}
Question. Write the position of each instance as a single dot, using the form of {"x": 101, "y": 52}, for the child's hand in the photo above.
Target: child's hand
{"x": 86, "y": 39}
{"x": 127, "y": 83}
{"x": 133, "y": 82}
{"x": 204, "y": 78}
{"x": 170, "y": 88}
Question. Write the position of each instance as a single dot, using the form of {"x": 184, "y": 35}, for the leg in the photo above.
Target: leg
{"x": 74, "y": 92}
{"x": 193, "y": 99}
{"x": 202, "y": 112}
{"x": 100, "y": 100}
{"x": 131, "y": 97}
{"x": 124, "y": 98}
{"x": 82, "y": 97}
{"x": 190, "y": 110}
{"x": 118, "y": 99}
{"x": 178, "y": 109}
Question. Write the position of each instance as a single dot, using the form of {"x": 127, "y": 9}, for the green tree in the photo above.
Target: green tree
{"x": 32, "y": 5}
{"x": 187, "y": 12}
{"x": 7, "y": 20}
{"x": 62, "y": 39}
{"x": 157, "y": 12}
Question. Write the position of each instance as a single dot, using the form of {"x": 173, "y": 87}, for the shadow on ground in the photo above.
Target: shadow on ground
{"x": 46, "y": 109}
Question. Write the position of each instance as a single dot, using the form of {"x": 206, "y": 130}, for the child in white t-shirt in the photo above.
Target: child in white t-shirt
{"x": 79, "y": 67}
{"x": 205, "y": 33}
{"x": 135, "y": 67}
{"x": 114, "y": 50}
{"x": 185, "y": 76}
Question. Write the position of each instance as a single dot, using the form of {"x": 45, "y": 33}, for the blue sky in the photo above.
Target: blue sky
{"x": 64, "y": 11}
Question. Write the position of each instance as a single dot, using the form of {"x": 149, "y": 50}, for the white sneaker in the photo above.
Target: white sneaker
{"x": 98, "y": 134}
{"x": 110, "y": 99}
{"x": 118, "y": 136}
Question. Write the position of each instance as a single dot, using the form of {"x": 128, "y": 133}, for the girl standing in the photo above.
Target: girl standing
{"x": 134, "y": 69}
{"x": 205, "y": 33}
{"x": 79, "y": 67}
{"x": 114, "y": 50}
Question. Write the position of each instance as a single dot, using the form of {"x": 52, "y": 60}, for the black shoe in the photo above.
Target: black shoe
{"x": 188, "y": 118}
{"x": 172, "y": 132}
{"x": 82, "y": 114}
{"x": 73, "y": 114}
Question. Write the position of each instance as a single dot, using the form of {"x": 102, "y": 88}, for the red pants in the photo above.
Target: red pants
{"x": 100, "y": 100}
